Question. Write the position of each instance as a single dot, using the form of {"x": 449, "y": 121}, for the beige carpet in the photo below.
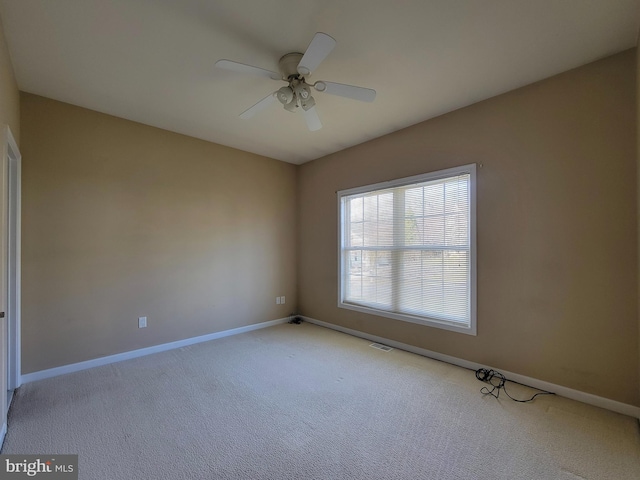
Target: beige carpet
{"x": 305, "y": 402}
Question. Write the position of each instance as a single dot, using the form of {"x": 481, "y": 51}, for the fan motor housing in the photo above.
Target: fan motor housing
{"x": 289, "y": 64}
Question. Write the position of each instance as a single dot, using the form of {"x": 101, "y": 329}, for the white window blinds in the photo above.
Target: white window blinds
{"x": 406, "y": 249}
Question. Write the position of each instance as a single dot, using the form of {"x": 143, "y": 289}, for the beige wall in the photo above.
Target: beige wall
{"x": 9, "y": 95}
{"x": 121, "y": 220}
{"x": 557, "y": 249}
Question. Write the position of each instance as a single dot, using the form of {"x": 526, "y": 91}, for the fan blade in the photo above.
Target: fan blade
{"x": 317, "y": 51}
{"x": 251, "y": 70}
{"x": 312, "y": 119}
{"x": 261, "y": 105}
{"x": 348, "y": 91}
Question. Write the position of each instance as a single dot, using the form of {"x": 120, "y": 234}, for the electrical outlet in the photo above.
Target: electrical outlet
{"x": 277, "y": 300}
{"x": 282, "y": 300}
{"x": 142, "y": 322}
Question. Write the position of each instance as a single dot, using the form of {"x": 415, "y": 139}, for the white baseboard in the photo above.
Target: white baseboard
{"x": 583, "y": 397}
{"x": 97, "y": 362}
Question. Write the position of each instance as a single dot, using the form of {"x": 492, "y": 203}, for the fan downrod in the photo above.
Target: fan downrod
{"x": 289, "y": 65}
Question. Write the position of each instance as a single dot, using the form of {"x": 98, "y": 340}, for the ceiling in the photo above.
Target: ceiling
{"x": 152, "y": 61}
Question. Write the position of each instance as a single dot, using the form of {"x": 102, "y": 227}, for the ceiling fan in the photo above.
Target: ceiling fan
{"x": 294, "y": 68}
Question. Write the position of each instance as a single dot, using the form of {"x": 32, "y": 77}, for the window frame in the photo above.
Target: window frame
{"x": 471, "y": 328}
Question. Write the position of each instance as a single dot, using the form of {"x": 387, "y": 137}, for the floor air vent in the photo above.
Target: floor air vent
{"x": 379, "y": 346}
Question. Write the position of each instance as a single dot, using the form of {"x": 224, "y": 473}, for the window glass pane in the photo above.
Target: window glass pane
{"x": 414, "y": 218}
{"x": 383, "y": 279}
{"x": 457, "y": 230}
{"x": 413, "y": 202}
{"x": 371, "y": 208}
{"x": 455, "y": 287}
{"x": 456, "y": 195}
{"x": 354, "y": 275}
{"x": 357, "y": 234}
{"x": 410, "y": 299}
{"x": 371, "y": 277}
{"x": 432, "y": 266}
{"x": 385, "y": 219}
{"x": 355, "y": 262}
{"x": 370, "y": 234}
{"x": 434, "y": 230}
{"x": 414, "y": 231}
{"x": 433, "y": 274}
{"x": 355, "y": 208}
{"x": 434, "y": 199}
{"x": 434, "y": 283}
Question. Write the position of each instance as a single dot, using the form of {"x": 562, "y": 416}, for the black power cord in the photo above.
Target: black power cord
{"x": 498, "y": 382}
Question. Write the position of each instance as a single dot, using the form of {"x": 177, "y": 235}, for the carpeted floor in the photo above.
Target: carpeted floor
{"x": 305, "y": 402}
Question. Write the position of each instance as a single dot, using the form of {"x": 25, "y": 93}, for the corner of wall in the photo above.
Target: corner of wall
{"x": 298, "y": 214}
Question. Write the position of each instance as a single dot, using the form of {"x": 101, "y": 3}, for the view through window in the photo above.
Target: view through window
{"x": 408, "y": 249}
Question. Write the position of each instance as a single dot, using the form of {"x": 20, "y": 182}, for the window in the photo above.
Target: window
{"x": 407, "y": 249}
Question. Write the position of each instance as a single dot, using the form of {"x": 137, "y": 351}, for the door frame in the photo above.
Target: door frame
{"x": 14, "y": 183}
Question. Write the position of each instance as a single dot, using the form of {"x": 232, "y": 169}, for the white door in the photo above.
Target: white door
{"x": 9, "y": 272}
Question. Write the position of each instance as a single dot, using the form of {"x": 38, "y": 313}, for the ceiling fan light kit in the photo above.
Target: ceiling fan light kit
{"x": 297, "y": 94}
{"x": 284, "y": 95}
